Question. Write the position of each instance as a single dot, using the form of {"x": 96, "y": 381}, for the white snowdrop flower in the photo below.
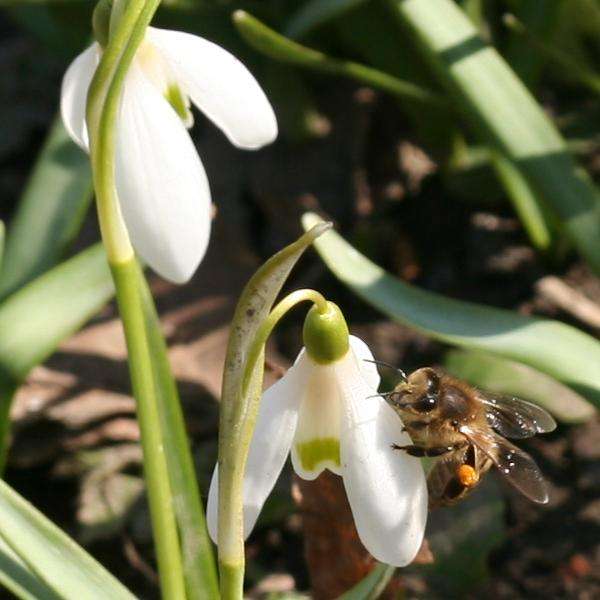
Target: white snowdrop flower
{"x": 162, "y": 186}
{"x": 325, "y": 412}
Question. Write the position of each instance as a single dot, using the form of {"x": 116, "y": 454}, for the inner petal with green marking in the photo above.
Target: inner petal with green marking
{"x": 317, "y": 441}
{"x": 322, "y": 450}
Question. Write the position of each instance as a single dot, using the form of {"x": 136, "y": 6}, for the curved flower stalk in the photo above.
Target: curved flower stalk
{"x": 162, "y": 187}
{"x": 325, "y": 412}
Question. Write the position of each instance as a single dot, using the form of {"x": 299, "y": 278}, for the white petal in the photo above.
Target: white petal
{"x": 270, "y": 445}
{"x": 162, "y": 186}
{"x": 364, "y": 356}
{"x": 316, "y": 445}
{"x": 220, "y": 85}
{"x": 386, "y": 488}
{"x": 73, "y": 94}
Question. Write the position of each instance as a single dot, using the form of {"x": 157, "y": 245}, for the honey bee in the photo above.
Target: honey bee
{"x": 465, "y": 427}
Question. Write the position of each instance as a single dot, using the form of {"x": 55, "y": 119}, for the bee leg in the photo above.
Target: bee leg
{"x": 421, "y": 451}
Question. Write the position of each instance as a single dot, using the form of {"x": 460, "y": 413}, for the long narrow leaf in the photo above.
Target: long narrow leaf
{"x": 527, "y": 205}
{"x": 372, "y": 586}
{"x": 497, "y": 374}
{"x": 53, "y": 205}
{"x": 280, "y": 48}
{"x": 549, "y": 346}
{"x": 502, "y": 111}
{"x": 48, "y": 553}
{"x": 198, "y": 560}
{"x": 17, "y": 577}
{"x": 36, "y": 318}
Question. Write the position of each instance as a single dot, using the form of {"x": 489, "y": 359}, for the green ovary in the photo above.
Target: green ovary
{"x": 318, "y": 451}
{"x": 177, "y": 101}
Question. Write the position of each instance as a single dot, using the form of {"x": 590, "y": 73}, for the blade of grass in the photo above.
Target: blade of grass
{"x": 280, "y": 48}
{"x": 497, "y": 374}
{"x": 555, "y": 348}
{"x": 53, "y": 206}
{"x": 504, "y": 114}
{"x": 55, "y": 560}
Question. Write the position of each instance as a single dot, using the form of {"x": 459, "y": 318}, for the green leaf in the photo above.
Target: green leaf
{"x": 16, "y": 576}
{"x": 198, "y": 560}
{"x": 53, "y": 206}
{"x": 280, "y": 48}
{"x": 316, "y": 13}
{"x": 505, "y": 376}
{"x": 48, "y": 563}
{"x": 372, "y": 585}
{"x": 549, "y": 346}
{"x": 36, "y": 318}
{"x": 503, "y": 113}
{"x": 184, "y": 557}
{"x": 528, "y": 206}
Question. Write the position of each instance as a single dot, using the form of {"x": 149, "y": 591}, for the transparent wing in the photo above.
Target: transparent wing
{"x": 515, "y": 465}
{"x": 516, "y": 418}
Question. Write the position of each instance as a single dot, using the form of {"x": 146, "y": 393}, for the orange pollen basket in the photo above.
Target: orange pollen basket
{"x": 467, "y": 475}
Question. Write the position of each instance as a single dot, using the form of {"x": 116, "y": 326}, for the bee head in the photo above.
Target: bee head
{"x": 418, "y": 394}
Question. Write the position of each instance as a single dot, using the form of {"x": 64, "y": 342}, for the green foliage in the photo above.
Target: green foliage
{"x": 502, "y": 112}
{"x": 53, "y": 205}
{"x": 36, "y": 318}
{"x": 38, "y": 560}
{"x": 278, "y": 47}
{"x": 372, "y": 585}
{"x": 497, "y": 374}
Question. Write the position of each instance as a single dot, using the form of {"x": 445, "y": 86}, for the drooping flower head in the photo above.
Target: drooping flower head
{"x": 325, "y": 412}
{"x": 162, "y": 186}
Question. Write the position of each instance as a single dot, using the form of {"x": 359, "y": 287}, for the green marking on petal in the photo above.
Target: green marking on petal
{"x": 317, "y": 451}
{"x": 176, "y": 99}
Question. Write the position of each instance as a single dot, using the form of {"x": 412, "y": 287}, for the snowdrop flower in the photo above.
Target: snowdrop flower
{"x": 162, "y": 186}
{"x": 325, "y": 412}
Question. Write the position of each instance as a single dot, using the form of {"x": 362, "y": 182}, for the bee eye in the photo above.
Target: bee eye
{"x": 425, "y": 403}
{"x": 433, "y": 383}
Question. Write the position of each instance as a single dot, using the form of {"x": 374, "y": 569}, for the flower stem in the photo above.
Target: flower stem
{"x": 271, "y": 321}
{"x": 101, "y": 114}
{"x": 164, "y": 525}
{"x": 231, "y": 475}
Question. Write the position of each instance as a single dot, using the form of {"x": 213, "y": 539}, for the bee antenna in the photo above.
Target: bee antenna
{"x": 384, "y": 395}
{"x": 389, "y": 366}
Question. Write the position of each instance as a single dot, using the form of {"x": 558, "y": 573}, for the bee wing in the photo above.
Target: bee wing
{"x": 515, "y": 465}
{"x": 516, "y": 418}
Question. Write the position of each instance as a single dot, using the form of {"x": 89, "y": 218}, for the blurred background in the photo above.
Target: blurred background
{"x": 412, "y": 183}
